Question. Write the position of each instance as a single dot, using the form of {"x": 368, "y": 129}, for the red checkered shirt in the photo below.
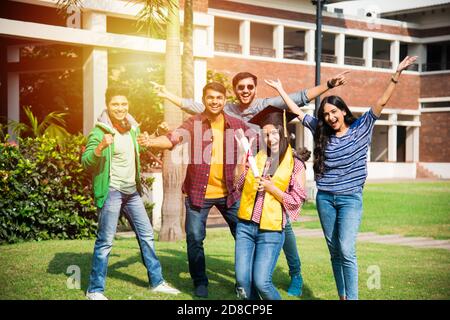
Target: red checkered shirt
{"x": 198, "y": 169}
{"x": 293, "y": 197}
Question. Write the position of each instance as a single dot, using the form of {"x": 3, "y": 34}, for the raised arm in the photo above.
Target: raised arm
{"x": 292, "y": 106}
{"x": 188, "y": 105}
{"x": 165, "y": 94}
{"x": 161, "y": 142}
{"x": 383, "y": 100}
{"x": 331, "y": 83}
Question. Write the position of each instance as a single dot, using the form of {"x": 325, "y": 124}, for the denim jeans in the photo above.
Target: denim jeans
{"x": 291, "y": 251}
{"x": 134, "y": 209}
{"x": 340, "y": 217}
{"x": 196, "y": 232}
{"x": 256, "y": 256}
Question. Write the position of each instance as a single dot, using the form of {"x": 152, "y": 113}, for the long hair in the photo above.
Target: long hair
{"x": 282, "y": 146}
{"x": 303, "y": 154}
{"x": 324, "y": 131}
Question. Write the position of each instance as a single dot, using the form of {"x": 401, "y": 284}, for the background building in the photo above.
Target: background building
{"x": 272, "y": 39}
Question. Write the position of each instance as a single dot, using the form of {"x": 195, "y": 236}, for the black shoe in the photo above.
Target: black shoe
{"x": 201, "y": 291}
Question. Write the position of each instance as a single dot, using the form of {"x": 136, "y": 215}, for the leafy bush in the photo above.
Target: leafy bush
{"x": 44, "y": 191}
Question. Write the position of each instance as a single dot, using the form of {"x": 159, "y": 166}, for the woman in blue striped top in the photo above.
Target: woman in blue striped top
{"x": 340, "y": 167}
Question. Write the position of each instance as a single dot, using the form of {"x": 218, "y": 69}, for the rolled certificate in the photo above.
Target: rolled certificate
{"x": 246, "y": 145}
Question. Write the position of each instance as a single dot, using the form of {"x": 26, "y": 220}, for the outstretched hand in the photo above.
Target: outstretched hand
{"x": 406, "y": 63}
{"x": 160, "y": 89}
{"x": 274, "y": 84}
{"x": 242, "y": 152}
{"x": 339, "y": 79}
{"x": 144, "y": 139}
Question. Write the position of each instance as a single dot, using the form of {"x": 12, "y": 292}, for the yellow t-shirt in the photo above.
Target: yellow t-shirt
{"x": 217, "y": 187}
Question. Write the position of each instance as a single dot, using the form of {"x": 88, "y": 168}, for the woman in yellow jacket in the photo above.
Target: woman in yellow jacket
{"x": 271, "y": 194}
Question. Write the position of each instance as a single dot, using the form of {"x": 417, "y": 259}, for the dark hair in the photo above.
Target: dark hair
{"x": 244, "y": 75}
{"x": 216, "y": 86}
{"x": 283, "y": 144}
{"x": 303, "y": 154}
{"x": 324, "y": 131}
{"x": 115, "y": 90}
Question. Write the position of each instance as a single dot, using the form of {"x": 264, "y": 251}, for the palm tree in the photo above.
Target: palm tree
{"x": 172, "y": 169}
{"x": 53, "y": 125}
{"x": 188, "y": 54}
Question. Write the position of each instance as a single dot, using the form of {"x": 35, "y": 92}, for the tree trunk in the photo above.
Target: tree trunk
{"x": 187, "y": 71}
{"x": 188, "y": 54}
{"x": 172, "y": 164}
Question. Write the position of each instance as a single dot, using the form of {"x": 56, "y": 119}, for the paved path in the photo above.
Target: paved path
{"x": 394, "y": 239}
{"x": 372, "y": 237}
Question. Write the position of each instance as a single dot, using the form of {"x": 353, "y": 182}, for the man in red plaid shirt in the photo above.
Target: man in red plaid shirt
{"x": 209, "y": 176}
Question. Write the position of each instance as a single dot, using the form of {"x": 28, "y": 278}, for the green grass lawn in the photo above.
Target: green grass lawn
{"x": 37, "y": 270}
{"x": 410, "y": 209}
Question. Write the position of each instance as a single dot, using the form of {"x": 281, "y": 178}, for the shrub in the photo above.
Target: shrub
{"x": 44, "y": 191}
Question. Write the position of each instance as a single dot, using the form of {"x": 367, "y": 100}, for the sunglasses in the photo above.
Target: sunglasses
{"x": 242, "y": 87}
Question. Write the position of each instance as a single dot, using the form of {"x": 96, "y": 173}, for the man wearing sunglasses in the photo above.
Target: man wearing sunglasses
{"x": 247, "y": 106}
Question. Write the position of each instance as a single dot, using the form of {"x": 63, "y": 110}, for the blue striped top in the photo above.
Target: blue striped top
{"x": 346, "y": 156}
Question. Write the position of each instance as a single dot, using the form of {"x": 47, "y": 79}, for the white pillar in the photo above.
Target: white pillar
{"x": 278, "y": 41}
{"x": 310, "y": 45}
{"x": 339, "y": 48}
{"x": 13, "y": 84}
{"x": 95, "y": 73}
{"x": 392, "y": 138}
{"x": 416, "y": 139}
{"x": 395, "y": 53}
{"x": 368, "y": 51}
{"x": 244, "y": 37}
{"x": 414, "y": 133}
{"x": 200, "y": 70}
{"x": 419, "y": 50}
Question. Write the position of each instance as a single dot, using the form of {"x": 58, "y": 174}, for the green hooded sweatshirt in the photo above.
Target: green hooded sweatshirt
{"x": 101, "y": 166}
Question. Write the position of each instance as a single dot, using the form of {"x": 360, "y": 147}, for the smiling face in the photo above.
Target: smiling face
{"x": 118, "y": 108}
{"x": 214, "y": 102}
{"x": 245, "y": 91}
{"x": 272, "y": 138}
{"x": 334, "y": 117}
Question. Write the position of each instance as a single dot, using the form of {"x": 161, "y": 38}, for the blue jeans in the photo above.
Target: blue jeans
{"x": 134, "y": 209}
{"x": 290, "y": 251}
{"x": 340, "y": 216}
{"x": 256, "y": 256}
{"x": 196, "y": 232}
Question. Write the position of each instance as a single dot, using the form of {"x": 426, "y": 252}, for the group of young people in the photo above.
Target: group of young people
{"x": 241, "y": 162}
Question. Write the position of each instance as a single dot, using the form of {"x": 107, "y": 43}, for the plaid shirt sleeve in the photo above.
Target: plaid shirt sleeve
{"x": 177, "y": 136}
{"x": 240, "y": 183}
{"x": 295, "y": 196}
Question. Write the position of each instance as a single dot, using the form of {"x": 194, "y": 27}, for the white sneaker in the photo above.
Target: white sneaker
{"x": 165, "y": 288}
{"x": 95, "y": 296}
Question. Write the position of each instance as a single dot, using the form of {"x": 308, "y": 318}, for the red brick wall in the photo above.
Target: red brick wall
{"x": 331, "y": 21}
{"x": 435, "y": 137}
{"x": 363, "y": 88}
{"x": 436, "y": 85}
{"x": 198, "y": 5}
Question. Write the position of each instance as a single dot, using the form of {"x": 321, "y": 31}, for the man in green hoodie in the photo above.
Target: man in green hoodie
{"x": 112, "y": 155}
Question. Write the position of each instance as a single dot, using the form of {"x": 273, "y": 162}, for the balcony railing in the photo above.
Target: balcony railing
{"x": 264, "y": 52}
{"x": 414, "y": 67}
{"x": 295, "y": 53}
{"x": 436, "y": 66}
{"x": 227, "y": 47}
{"x": 354, "y": 61}
{"x": 330, "y": 58}
{"x": 381, "y": 63}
